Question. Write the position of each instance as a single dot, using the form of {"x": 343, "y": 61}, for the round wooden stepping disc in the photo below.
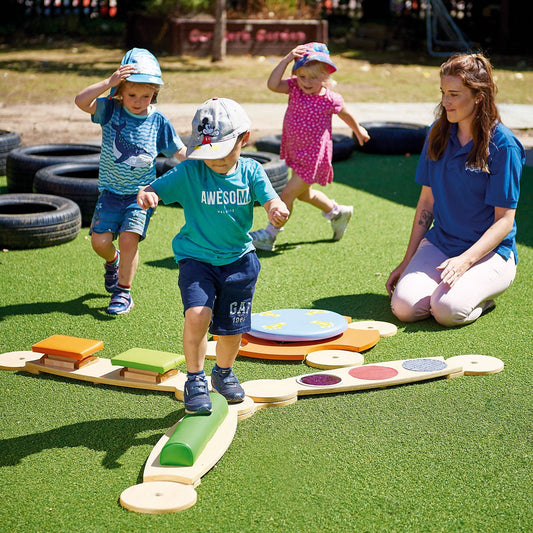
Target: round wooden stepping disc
{"x": 158, "y": 497}
{"x": 477, "y": 365}
{"x": 297, "y": 325}
{"x": 264, "y": 405}
{"x": 270, "y": 390}
{"x": 247, "y": 406}
{"x": 17, "y": 360}
{"x": 328, "y": 359}
{"x": 211, "y": 350}
{"x": 385, "y": 329}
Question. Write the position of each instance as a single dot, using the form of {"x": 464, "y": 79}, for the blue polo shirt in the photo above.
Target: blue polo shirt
{"x": 465, "y": 197}
{"x": 218, "y": 208}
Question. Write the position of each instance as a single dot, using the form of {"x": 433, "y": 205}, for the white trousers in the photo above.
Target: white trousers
{"x": 420, "y": 293}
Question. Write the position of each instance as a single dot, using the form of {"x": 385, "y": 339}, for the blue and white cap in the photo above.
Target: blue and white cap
{"x": 147, "y": 69}
{"x": 217, "y": 124}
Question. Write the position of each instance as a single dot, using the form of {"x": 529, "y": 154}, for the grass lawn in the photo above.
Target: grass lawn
{"x": 63, "y": 69}
{"x": 444, "y": 455}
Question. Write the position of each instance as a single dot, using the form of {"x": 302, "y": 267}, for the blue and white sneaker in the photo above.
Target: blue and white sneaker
{"x": 196, "y": 396}
{"x": 227, "y": 384}
{"x": 111, "y": 275}
{"x": 121, "y": 303}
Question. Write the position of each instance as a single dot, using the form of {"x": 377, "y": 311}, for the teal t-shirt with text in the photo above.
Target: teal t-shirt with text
{"x": 218, "y": 208}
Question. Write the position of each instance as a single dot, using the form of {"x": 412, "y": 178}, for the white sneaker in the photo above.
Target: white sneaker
{"x": 263, "y": 240}
{"x": 340, "y": 222}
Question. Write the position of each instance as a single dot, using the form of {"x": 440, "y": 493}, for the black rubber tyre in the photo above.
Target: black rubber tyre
{"x": 164, "y": 164}
{"x": 393, "y": 138}
{"x": 22, "y": 163}
{"x": 9, "y": 140}
{"x": 75, "y": 181}
{"x": 276, "y": 169}
{"x": 343, "y": 145}
{"x": 37, "y": 220}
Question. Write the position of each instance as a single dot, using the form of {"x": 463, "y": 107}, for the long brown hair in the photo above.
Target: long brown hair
{"x": 475, "y": 71}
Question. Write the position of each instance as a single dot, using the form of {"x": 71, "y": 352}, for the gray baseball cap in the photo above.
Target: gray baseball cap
{"x": 217, "y": 124}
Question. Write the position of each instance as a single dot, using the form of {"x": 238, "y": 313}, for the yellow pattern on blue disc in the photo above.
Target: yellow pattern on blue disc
{"x": 297, "y": 325}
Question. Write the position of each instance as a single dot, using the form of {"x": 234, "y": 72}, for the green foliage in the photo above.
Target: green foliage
{"x": 177, "y": 7}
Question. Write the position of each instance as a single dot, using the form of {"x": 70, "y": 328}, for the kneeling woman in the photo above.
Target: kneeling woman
{"x": 462, "y": 249}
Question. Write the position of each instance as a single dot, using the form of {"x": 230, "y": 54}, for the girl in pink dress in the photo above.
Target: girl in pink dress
{"x": 306, "y": 143}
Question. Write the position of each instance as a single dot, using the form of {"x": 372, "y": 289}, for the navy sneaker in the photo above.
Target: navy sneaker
{"x": 227, "y": 384}
{"x": 111, "y": 275}
{"x": 196, "y": 396}
{"x": 121, "y": 302}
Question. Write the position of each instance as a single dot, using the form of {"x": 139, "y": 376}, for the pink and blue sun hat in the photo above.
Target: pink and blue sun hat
{"x": 315, "y": 52}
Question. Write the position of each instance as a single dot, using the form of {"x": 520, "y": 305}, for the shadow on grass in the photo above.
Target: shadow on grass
{"x": 371, "y": 306}
{"x": 168, "y": 262}
{"x": 75, "y": 307}
{"x": 114, "y": 436}
{"x": 366, "y": 306}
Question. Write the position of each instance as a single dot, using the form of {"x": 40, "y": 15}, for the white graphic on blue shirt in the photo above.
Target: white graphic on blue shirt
{"x": 236, "y": 197}
{"x": 128, "y": 153}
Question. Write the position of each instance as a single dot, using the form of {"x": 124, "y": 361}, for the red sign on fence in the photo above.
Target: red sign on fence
{"x": 195, "y": 37}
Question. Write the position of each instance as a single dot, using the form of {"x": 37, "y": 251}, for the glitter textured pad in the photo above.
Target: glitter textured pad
{"x": 424, "y": 365}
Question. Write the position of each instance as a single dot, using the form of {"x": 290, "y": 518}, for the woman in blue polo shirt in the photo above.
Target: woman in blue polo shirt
{"x": 462, "y": 249}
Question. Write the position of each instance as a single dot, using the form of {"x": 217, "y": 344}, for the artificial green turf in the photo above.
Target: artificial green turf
{"x": 444, "y": 455}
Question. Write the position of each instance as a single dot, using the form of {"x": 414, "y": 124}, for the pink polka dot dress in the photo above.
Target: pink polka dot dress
{"x": 306, "y": 143}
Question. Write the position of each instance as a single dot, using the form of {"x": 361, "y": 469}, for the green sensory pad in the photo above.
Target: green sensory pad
{"x": 152, "y": 360}
{"x": 193, "y": 433}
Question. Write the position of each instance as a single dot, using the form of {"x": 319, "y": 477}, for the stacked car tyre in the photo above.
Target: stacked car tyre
{"x": 30, "y": 220}
{"x": 9, "y": 140}
{"x": 23, "y": 163}
{"x": 75, "y": 181}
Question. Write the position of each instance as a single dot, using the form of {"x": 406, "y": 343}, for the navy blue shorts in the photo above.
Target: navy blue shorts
{"x": 115, "y": 213}
{"x": 227, "y": 290}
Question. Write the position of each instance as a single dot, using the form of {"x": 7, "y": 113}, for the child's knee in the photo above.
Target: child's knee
{"x": 198, "y": 316}
{"x": 101, "y": 241}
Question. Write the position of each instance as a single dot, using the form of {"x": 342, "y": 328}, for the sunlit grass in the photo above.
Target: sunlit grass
{"x": 46, "y": 74}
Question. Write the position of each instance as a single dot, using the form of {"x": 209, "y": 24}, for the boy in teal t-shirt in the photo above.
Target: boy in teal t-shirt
{"x": 218, "y": 266}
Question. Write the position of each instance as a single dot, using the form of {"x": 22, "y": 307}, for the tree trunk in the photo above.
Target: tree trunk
{"x": 219, "y": 37}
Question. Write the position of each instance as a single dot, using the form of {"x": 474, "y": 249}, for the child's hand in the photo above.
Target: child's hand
{"x": 278, "y": 214}
{"x": 362, "y": 135}
{"x": 147, "y": 197}
{"x": 299, "y": 51}
{"x": 123, "y": 72}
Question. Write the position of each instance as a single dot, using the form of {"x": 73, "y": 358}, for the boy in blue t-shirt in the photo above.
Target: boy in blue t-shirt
{"x": 218, "y": 266}
{"x": 134, "y": 132}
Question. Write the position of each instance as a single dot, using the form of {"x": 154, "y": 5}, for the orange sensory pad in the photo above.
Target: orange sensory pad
{"x": 72, "y": 347}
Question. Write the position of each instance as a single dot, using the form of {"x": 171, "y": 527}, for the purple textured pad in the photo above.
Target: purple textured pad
{"x": 424, "y": 365}
{"x": 319, "y": 380}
